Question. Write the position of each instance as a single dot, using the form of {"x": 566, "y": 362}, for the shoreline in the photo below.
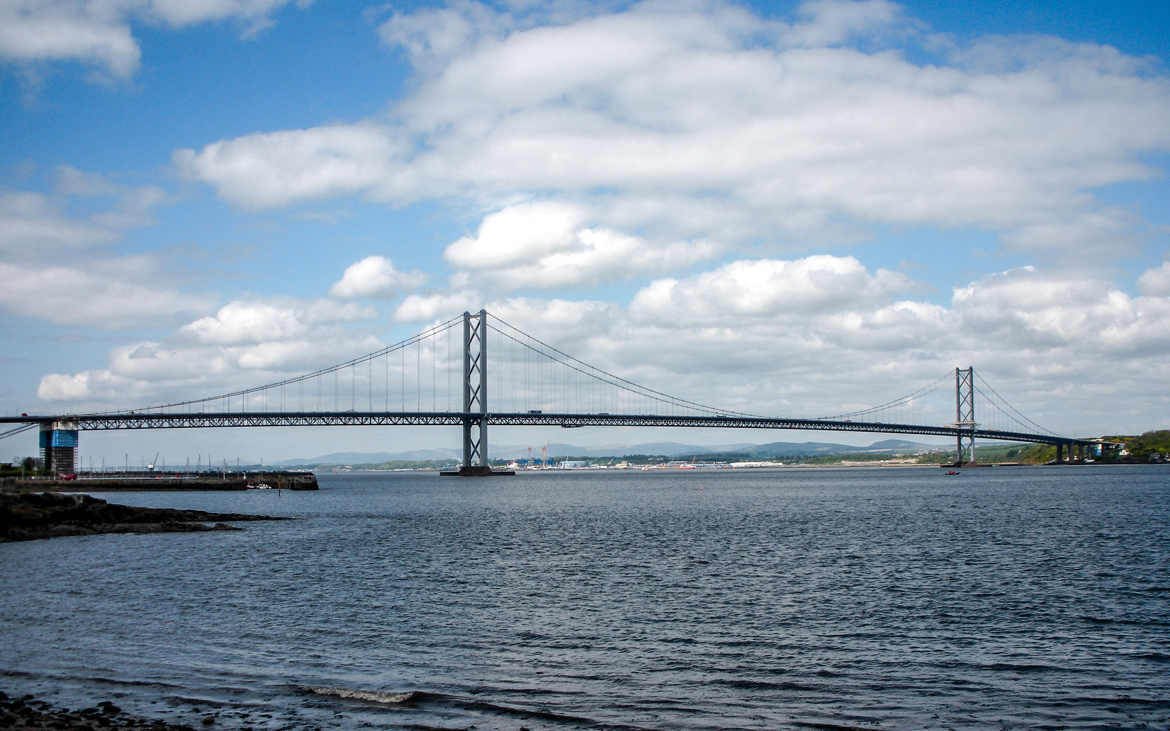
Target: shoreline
{"x": 29, "y": 712}
{"x": 33, "y": 516}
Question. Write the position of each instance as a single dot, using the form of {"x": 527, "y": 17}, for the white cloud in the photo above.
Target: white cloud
{"x": 255, "y": 14}
{"x": 150, "y": 372}
{"x": 37, "y": 226}
{"x": 55, "y": 268}
{"x": 250, "y": 322}
{"x": 261, "y": 322}
{"x": 272, "y": 169}
{"x": 243, "y": 344}
{"x": 754, "y": 130}
{"x": 74, "y": 182}
{"x": 439, "y": 33}
{"x": 766, "y": 288}
{"x": 1102, "y": 229}
{"x": 546, "y": 244}
{"x": 518, "y": 234}
{"x": 1076, "y": 320}
{"x": 102, "y": 296}
{"x": 374, "y": 276}
{"x": 98, "y": 32}
{"x": 1156, "y": 281}
{"x": 34, "y": 31}
{"x": 32, "y": 223}
{"x": 424, "y": 307}
{"x": 830, "y": 22}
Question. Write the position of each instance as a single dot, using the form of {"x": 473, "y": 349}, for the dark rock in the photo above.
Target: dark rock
{"x": 30, "y": 516}
{"x": 30, "y": 713}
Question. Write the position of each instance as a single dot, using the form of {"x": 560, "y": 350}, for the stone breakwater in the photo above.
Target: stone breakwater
{"x": 166, "y": 481}
{"x": 283, "y": 480}
{"x": 25, "y": 517}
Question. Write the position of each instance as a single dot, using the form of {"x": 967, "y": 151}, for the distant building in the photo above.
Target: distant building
{"x": 58, "y": 444}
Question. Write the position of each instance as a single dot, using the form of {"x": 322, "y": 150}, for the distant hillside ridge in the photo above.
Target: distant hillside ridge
{"x": 666, "y": 449}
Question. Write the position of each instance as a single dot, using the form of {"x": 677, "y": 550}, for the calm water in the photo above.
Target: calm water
{"x": 867, "y": 598}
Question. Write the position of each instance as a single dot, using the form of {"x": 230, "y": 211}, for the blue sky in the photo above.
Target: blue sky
{"x": 869, "y": 192}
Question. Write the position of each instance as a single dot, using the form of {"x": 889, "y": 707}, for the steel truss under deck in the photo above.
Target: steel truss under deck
{"x": 106, "y": 422}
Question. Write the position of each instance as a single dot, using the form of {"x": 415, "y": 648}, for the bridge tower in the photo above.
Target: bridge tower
{"x": 475, "y": 413}
{"x": 965, "y": 413}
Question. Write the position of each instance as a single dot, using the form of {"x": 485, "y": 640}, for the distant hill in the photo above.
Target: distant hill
{"x": 797, "y": 449}
{"x": 899, "y": 444}
{"x": 667, "y": 449}
{"x": 372, "y": 457}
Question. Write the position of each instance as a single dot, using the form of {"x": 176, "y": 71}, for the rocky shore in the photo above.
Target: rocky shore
{"x": 29, "y": 516}
{"x": 27, "y": 712}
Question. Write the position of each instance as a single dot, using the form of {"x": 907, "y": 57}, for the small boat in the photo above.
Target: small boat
{"x": 952, "y": 472}
{"x": 260, "y": 486}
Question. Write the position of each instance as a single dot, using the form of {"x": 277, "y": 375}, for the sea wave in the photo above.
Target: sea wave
{"x": 370, "y": 696}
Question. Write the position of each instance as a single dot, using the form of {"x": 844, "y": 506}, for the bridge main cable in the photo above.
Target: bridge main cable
{"x": 607, "y": 377}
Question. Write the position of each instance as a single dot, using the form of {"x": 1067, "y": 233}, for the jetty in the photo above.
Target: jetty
{"x": 156, "y": 481}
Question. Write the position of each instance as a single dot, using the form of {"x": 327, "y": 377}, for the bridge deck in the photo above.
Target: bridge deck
{"x": 132, "y": 420}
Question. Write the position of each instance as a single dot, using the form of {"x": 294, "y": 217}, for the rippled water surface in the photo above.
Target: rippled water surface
{"x": 755, "y": 599}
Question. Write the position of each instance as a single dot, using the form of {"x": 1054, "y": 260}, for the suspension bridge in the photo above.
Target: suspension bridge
{"x": 440, "y": 377}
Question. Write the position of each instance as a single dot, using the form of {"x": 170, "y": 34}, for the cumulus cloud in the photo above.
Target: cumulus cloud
{"x": 242, "y": 344}
{"x": 431, "y": 34}
{"x": 98, "y": 32}
{"x": 276, "y": 168}
{"x": 518, "y": 234}
{"x": 831, "y": 22}
{"x": 33, "y": 222}
{"x": 423, "y": 307}
{"x": 752, "y": 129}
{"x": 54, "y": 259}
{"x": 374, "y": 276}
{"x": 74, "y": 182}
{"x": 103, "y": 296}
{"x": 1083, "y": 317}
{"x": 546, "y": 244}
{"x": 260, "y": 322}
{"x": 1156, "y": 281}
{"x": 38, "y": 225}
{"x": 154, "y": 372}
{"x": 766, "y": 288}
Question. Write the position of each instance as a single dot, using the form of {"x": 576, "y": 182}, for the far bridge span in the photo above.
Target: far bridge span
{"x": 58, "y": 432}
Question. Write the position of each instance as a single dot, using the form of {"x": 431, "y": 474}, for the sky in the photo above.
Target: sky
{"x": 796, "y": 208}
